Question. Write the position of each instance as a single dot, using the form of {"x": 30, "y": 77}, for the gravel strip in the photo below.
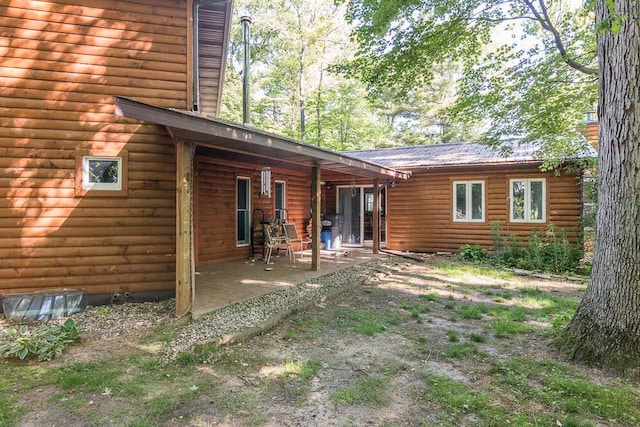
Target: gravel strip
{"x": 223, "y": 325}
{"x": 256, "y": 312}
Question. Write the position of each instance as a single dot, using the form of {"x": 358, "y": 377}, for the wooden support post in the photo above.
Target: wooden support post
{"x": 376, "y": 216}
{"x": 316, "y": 218}
{"x": 185, "y": 268}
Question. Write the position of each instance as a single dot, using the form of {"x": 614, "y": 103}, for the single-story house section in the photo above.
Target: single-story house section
{"x": 458, "y": 191}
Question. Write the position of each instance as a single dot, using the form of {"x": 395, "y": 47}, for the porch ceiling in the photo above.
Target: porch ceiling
{"x": 235, "y": 140}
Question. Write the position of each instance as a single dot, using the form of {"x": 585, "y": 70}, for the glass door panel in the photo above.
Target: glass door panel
{"x": 349, "y": 205}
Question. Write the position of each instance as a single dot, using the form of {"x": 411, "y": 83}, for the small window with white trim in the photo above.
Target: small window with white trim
{"x": 280, "y": 202}
{"x": 528, "y": 200}
{"x": 101, "y": 173}
{"x": 243, "y": 209}
{"x": 468, "y": 201}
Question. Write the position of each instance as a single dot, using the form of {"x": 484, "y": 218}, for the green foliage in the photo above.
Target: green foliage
{"x": 44, "y": 341}
{"x": 537, "y": 83}
{"x": 474, "y": 253}
{"x": 551, "y": 253}
{"x": 293, "y": 91}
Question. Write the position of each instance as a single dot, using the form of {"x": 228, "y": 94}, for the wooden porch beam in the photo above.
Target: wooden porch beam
{"x": 316, "y": 217}
{"x": 376, "y": 216}
{"x": 185, "y": 267}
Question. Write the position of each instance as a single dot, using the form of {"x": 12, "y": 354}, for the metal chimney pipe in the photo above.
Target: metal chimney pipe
{"x": 246, "y": 21}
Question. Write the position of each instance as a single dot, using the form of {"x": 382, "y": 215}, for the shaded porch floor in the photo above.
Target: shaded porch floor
{"x": 224, "y": 284}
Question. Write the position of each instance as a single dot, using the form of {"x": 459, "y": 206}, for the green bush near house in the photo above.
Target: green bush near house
{"x": 549, "y": 252}
{"x": 473, "y": 253}
{"x": 44, "y": 341}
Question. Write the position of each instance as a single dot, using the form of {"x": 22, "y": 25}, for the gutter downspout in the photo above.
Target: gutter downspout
{"x": 196, "y": 57}
{"x": 246, "y": 21}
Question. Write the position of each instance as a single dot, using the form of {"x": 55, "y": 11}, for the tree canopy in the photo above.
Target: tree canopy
{"x": 527, "y": 67}
{"x": 297, "y": 48}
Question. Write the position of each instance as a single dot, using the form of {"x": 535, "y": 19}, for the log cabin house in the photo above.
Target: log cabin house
{"x": 117, "y": 178}
{"x": 457, "y": 192}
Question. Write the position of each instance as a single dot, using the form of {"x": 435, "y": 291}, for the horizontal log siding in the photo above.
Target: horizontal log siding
{"x": 420, "y": 210}
{"x": 216, "y": 205}
{"x": 61, "y": 63}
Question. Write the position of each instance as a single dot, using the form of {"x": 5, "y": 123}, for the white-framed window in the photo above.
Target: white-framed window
{"x": 243, "y": 210}
{"x": 280, "y": 200}
{"x": 368, "y": 201}
{"x": 102, "y": 173}
{"x": 468, "y": 201}
{"x": 528, "y": 199}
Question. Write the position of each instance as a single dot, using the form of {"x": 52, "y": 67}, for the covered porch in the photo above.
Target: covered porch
{"x": 213, "y": 156}
{"x": 224, "y": 284}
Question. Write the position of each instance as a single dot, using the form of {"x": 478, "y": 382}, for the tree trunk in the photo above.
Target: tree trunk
{"x": 606, "y": 326}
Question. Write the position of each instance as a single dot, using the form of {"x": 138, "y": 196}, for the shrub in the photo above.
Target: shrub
{"x": 551, "y": 253}
{"x": 47, "y": 342}
{"x": 473, "y": 253}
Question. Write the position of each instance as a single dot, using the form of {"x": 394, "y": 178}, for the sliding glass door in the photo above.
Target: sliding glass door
{"x": 355, "y": 204}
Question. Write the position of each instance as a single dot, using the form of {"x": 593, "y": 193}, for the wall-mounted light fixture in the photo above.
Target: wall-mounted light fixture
{"x": 265, "y": 182}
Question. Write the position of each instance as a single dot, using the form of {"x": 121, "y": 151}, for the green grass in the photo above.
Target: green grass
{"x": 503, "y": 328}
{"x": 304, "y": 326}
{"x": 416, "y": 310}
{"x": 494, "y": 390}
{"x": 457, "y": 399}
{"x": 303, "y": 370}
{"x": 568, "y": 391}
{"x": 478, "y": 338}
{"x": 367, "y": 322}
{"x": 461, "y": 350}
{"x": 453, "y": 335}
{"x": 91, "y": 377}
{"x": 430, "y": 297}
{"x": 11, "y": 411}
{"x": 472, "y": 312}
{"x": 163, "y": 332}
{"x": 364, "y": 391}
{"x": 461, "y": 270}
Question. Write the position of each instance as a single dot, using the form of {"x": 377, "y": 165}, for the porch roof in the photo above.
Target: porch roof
{"x": 234, "y": 141}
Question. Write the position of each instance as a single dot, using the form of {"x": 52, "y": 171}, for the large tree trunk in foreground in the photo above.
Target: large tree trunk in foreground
{"x": 606, "y": 327}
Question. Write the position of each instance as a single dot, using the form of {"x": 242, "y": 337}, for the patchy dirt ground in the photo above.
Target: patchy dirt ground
{"x": 378, "y": 354}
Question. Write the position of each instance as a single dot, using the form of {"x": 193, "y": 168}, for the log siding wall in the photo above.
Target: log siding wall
{"x": 420, "y": 210}
{"x": 61, "y": 63}
{"x": 215, "y": 207}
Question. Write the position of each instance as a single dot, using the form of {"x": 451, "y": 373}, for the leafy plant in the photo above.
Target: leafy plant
{"x": 550, "y": 253}
{"x": 47, "y": 342}
{"x": 474, "y": 253}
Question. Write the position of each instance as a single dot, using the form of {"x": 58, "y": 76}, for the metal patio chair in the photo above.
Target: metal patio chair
{"x": 292, "y": 235}
{"x": 277, "y": 241}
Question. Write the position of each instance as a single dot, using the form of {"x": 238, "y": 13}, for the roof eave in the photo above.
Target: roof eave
{"x": 252, "y": 139}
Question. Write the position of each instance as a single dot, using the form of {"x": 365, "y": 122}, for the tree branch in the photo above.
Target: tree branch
{"x": 545, "y": 22}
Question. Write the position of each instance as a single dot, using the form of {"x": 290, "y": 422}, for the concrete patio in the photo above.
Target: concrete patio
{"x": 224, "y": 284}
